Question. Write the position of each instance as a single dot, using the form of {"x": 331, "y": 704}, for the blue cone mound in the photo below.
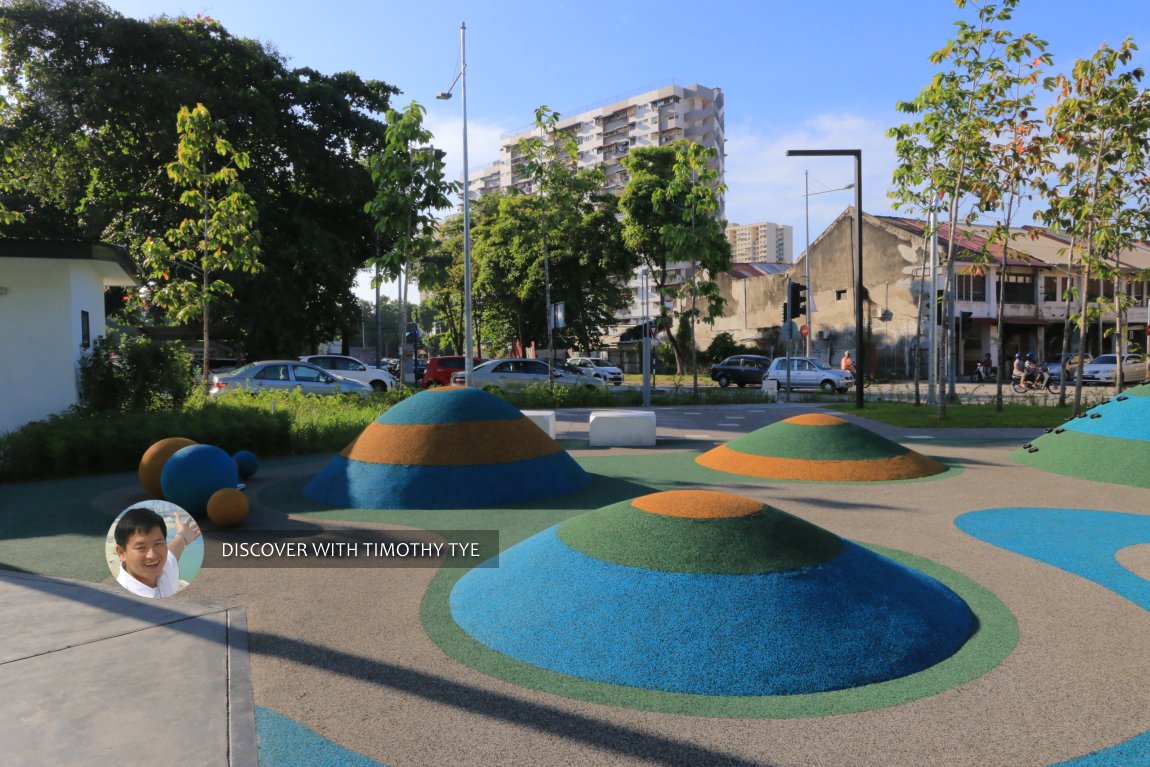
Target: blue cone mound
{"x": 448, "y": 448}
{"x": 852, "y": 619}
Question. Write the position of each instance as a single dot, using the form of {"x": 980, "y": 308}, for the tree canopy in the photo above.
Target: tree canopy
{"x": 87, "y": 124}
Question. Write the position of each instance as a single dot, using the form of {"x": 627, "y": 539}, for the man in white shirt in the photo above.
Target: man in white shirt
{"x": 149, "y": 565}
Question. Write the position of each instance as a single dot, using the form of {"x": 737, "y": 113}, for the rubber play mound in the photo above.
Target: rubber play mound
{"x": 1108, "y": 443}
{"x": 703, "y": 592}
{"x": 448, "y": 448}
{"x": 819, "y": 447}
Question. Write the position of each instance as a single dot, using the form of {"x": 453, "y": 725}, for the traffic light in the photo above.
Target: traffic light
{"x": 798, "y": 300}
{"x": 786, "y": 315}
{"x": 411, "y": 336}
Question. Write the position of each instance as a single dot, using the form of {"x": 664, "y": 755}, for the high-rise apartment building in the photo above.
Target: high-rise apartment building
{"x": 605, "y": 134}
{"x": 759, "y": 243}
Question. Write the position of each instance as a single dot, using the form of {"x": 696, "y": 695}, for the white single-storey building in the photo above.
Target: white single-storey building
{"x": 51, "y": 309}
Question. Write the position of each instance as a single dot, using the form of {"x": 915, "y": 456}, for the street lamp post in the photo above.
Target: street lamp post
{"x": 807, "y": 194}
{"x": 645, "y": 365}
{"x": 860, "y": 358}
{"x": 461, "y": 78}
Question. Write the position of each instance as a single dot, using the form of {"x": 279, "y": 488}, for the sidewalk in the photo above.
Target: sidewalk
{"x": 93, "y": 676}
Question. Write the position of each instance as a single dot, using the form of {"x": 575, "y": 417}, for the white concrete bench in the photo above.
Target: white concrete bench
{"x": 622, "y": 428}
{"x": 544, "y": 419}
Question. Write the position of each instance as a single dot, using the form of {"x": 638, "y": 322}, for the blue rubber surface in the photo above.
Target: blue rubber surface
{"x": 857, "y": 619}
{"x": 452, "y": 406}
{"x": 1128, "y": 419}
{"x": 1082, "y": 542}
{"x": 354, "y": 484}
{"x": 284, "y": 742}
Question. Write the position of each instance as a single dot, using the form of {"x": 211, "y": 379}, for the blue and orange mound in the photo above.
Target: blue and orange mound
{"x": 821, "y": 448}
{"x": 708, "y": 593}
{"x": 1108, "y": 443}
{"x": 448, "y": 448}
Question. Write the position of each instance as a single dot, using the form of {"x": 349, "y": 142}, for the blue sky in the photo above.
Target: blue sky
{"x": 811, "y": 74}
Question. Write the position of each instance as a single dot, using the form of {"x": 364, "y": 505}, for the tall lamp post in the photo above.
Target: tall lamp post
{"x": 860, "y": 358}
{"x": 807, "y": 194}
{"x": 461, "y": 78}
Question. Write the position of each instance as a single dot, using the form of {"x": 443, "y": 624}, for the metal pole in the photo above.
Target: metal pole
{"x": 790, "y": 339}
{"x": 807, "y": 257}
{"x": 646, "y": 362}
{"x": 932, "y": 371}
{"x": 468, "y": 348}
{"x": 378, "y": 319}
{"x": 859, "y": 344}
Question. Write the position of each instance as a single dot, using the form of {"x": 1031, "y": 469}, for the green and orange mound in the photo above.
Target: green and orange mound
{"x": 448, "y": 448}
{"x": 1108, "y": 443}
{"x": 822, "y": 448}
{"x": 699, "y": 531}
{"x": 708, "y": 593}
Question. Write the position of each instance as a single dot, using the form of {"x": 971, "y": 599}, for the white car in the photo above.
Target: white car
{"x": 1103, "y": 369}
{"x": 379, "y": 379}
{"x": 599, "y": 368}
{"x": 513, "y": 374}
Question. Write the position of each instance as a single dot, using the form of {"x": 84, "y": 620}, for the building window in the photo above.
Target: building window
{"x": 85, "y": 331}
{"x": 1050, "y": 289}
{"x": 971, "y": 287}
{"x": 1018, "y": 289}
{"x": 840, "y": 295}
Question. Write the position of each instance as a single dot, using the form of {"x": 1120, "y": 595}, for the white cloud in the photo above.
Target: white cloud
{"x": 766, "y": 185}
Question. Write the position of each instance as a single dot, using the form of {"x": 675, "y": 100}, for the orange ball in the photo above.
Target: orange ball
{"x": 227, "y": 507}
{"x": 154, "y": 460}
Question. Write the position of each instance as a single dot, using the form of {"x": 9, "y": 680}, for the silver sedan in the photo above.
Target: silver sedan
{"x": 285, "y": 375}
{"x": 514, "y": 374}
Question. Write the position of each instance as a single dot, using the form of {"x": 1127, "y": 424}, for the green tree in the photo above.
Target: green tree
{"x": 409, "y": 187}
{"x": 670, "y": 208}
{"x": 946, "y": 156}
{"x": 186, "y": 264}
{"x": 1101, "y": 121}
{"x": 699, "y": 237}
{"x": 91, "y": 96}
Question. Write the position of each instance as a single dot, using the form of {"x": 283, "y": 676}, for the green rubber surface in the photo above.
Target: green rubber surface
{"x": 847, "y": 442}
{"x": 1089, "y": 456}
{"x": 769, "y": 541}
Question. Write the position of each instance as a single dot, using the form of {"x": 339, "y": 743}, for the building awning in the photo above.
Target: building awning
{"x": 1035, "y": 321}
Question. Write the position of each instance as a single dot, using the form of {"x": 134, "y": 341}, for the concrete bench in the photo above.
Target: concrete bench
{"x": 622, "y": 428}
{"x": 544, "y": 419}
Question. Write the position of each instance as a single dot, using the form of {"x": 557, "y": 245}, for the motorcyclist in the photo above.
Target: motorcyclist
{"x": 1032, "y": 372}
{"x": 1019, "y": 371}
{"x": 986, "y": 368}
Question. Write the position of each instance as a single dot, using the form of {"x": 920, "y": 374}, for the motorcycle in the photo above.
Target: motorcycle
{"x": 1042, "y": 380}
{"x": 983, "y": 374}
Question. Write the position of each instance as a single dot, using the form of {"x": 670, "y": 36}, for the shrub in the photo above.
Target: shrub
{"x": 134, "y": 374}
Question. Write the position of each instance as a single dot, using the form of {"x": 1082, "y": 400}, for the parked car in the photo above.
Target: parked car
{"x": 809, "y": 373}
{"x": 440, "y": 369}
{"x": 379, "y": 379}
{"x": 285, "y": 375}
{"x": 1104, "y": 368}
{"x": 741, "y": 370}
{"x": 516, "y": 373}
{"x": 1054, "y": 365}
{"x": 599, "y": 368}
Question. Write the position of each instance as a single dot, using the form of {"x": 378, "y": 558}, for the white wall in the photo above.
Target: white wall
{"x": 40, "y": 334}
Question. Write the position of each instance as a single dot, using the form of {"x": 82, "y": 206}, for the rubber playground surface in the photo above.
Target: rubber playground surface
{"x": 431, "y": 666}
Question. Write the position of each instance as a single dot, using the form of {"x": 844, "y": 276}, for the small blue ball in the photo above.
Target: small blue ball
{"x": 247, "y": 462}
{"x": 194, "y": 473}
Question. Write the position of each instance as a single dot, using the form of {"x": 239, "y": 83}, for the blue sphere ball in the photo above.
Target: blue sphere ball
{"x": 194, "y": 473}
{"x": 247, "y": 463}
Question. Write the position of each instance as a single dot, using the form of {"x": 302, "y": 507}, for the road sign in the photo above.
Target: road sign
{"x": 789, "y": 331}
{"x": 804, "y": 331}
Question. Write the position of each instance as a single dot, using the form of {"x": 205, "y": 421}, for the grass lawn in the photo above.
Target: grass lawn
{"x": 961, "y": 416}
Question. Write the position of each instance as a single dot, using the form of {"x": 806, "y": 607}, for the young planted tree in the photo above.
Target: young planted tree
{"x": 947, "y": 154}
{"x": 698, "y": 237}
{"x": 1018, "y": 161}
{"x": 409, "y": 187}
{"x": 186, "y": 265}
{"x": 1101, "y": 120}
{"x": 670, "y": 186}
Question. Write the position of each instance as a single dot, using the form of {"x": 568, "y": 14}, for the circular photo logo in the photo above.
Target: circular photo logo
{"x": 154, "y": 549}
